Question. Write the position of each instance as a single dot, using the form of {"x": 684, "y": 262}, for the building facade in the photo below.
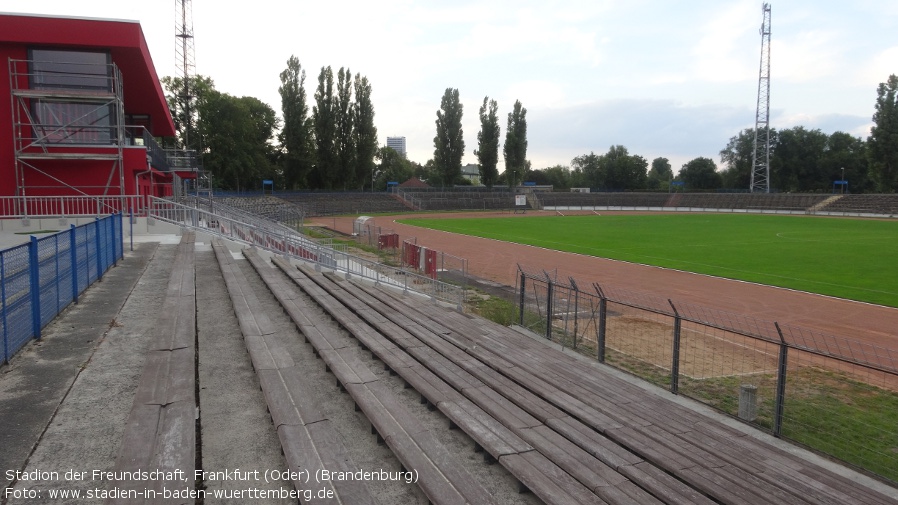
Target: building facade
{"x": 84, "y": 111}
{"x": 397, "y": 144}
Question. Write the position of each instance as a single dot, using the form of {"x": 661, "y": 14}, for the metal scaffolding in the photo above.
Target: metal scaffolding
{"x": 54, "y": 123}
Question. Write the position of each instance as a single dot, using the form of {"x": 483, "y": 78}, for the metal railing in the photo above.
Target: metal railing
{"x": 24, "y": 207}
{"x": 40, "y": 278}
{"x": 282, "y": 240}
{"x": 833, "y": 394}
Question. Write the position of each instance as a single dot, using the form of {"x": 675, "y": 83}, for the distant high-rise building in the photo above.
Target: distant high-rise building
{"x": 397, "y": 144}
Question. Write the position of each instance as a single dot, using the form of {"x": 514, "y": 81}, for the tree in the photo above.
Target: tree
{"x": 325, "y": 124}
{"x": 586, "y": 169}
{"x": 391, "y": 166}
{"x": 846, "y": 156}
{"x": 296, "y": 135}
{"x": 184, "y": 104}
{"x": 449, "y": 143}
{"x": 795, "y": 164}
{"x": 700, "y": 173}
{"x": 237, "y": 134}
{"x": 488, "y": 142}
{"x": 515, "y": 148}
{"x": 619, "y": 170}
{"x": 660, "y": 175}
{"x": 345, "y": 142}
{"x": 558, "y": 176}
{"x": 365, "y": 131}
{"x": 737, "y": 157}
{"x": 883, "y": 140}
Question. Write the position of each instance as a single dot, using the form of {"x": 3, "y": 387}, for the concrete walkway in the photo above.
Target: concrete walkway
{"x": 40, "y": 379}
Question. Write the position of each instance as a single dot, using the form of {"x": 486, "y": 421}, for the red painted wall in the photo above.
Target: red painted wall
{"x": 143, "y": 94}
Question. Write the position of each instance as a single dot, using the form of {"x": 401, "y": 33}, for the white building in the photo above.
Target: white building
{"x": 397, "y": 144}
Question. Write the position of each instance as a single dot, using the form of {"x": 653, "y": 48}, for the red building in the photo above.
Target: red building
{"x": 84, "y": 110}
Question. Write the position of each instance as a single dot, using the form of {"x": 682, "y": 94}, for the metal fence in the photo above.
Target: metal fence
{"x": 40, "y": 278}
{"x": 833, "y": 394}
{"x": 324, "y": 254}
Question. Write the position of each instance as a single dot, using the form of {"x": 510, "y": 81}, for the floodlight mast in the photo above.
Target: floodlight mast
{"x": 760, "y": 164}
{"x": 185, "y": 59}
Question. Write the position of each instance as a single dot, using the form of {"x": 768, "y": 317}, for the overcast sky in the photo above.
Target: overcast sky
{"x": 662, "y": 78}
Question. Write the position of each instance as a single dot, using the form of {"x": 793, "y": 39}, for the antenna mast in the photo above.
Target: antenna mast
{"x": 185, "y": 60}
{"x": 760, "y": 165}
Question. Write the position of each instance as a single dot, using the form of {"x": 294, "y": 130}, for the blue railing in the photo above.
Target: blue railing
{"x": 40, "y": 278}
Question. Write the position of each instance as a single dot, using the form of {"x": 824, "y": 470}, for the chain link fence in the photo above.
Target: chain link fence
{"x": 832, "y": 394}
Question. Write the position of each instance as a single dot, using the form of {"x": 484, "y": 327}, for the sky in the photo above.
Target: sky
{"x": 663, "y": 78}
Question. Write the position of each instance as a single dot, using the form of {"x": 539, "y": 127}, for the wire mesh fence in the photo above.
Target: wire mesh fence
{"x": 833, "y": 394}
{"x": 42, "y": 277}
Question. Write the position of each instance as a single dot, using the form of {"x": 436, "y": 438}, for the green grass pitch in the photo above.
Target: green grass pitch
{"x": 847, "y": 258}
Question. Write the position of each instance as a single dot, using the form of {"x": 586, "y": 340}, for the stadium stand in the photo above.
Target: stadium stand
{"x": 880, "y": 204}
{"x": 329, "y": 204}
{"x": 475, "y": 198}
{"x": 720, "y": 201}
{"x": 568, "y": 432}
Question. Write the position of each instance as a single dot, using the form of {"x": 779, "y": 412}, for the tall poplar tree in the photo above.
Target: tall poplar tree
{"x": 345, "y": 130}
{"x": 515, "y": 148}
{"x": 883, "y": 140}
{"x": 365, "y": 131}
{"x": 449, "y": 143}
{"x": 324, "y": 119}
{"x": 296, "y": 135}
{"x": 488, "y": 142}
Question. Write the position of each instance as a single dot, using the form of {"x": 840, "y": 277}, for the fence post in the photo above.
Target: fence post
{"x": 72, "y": 248}
{"x": 56, "y": 259}
{"x": 576, "y": 290}
{"x": 131, "y": 226}
{"x": 3, "y": 295}
{"x": 112, "y": 247}
{"x": 549, "y": 295}
{"x": 523, "y": 281}
{"x": 99, "y": 249}
{"x": 780, "y": 384}
{"x": 603, "y": 312}
{"x": 34, "y": 270}
{"x": 675, "y": 362}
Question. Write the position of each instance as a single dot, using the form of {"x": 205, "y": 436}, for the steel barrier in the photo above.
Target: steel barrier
{"x": 42, "y": 277}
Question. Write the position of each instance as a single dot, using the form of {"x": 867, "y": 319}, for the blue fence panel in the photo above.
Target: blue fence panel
{"x": 39, "y": 279}
{"x": 64, "y": 269}
{"x": 82, "y": 257}
{"x": 48, "y": 275}
{"x": 90, "y": 248}
{"x": 16, "y": 314}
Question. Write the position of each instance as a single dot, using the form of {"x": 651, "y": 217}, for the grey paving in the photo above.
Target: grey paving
{"x": 57, "y": 388}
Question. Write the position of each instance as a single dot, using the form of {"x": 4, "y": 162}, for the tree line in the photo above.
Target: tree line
{"x": 331, "y": 144}
{"x": 243, "y": 142}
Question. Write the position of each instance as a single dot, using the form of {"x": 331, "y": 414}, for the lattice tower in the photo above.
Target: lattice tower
{"x": 760, "y": 165}
{"x": 185, "y": 61}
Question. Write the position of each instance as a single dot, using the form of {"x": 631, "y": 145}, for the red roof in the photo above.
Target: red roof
{"x": 143, "y": 92}
{"x": 414, "y": 182}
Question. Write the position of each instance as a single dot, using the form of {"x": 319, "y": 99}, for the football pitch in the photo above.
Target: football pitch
{"x": 846, "y": 258}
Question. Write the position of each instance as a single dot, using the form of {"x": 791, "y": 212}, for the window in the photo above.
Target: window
{"x": 62, "y": 119}
{"x": 75, "y": 70}
{"x": 73, "y": 122}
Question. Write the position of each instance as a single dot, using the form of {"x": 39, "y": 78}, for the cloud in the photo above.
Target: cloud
{"x": 858, "y": 126}
{"x": 646, "y": 127}
{"x": 721, "y": 53}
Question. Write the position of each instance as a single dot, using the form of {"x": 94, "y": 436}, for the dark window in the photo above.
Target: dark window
{"x": 74, "y": 122}
{"x": 77, "y": 70}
